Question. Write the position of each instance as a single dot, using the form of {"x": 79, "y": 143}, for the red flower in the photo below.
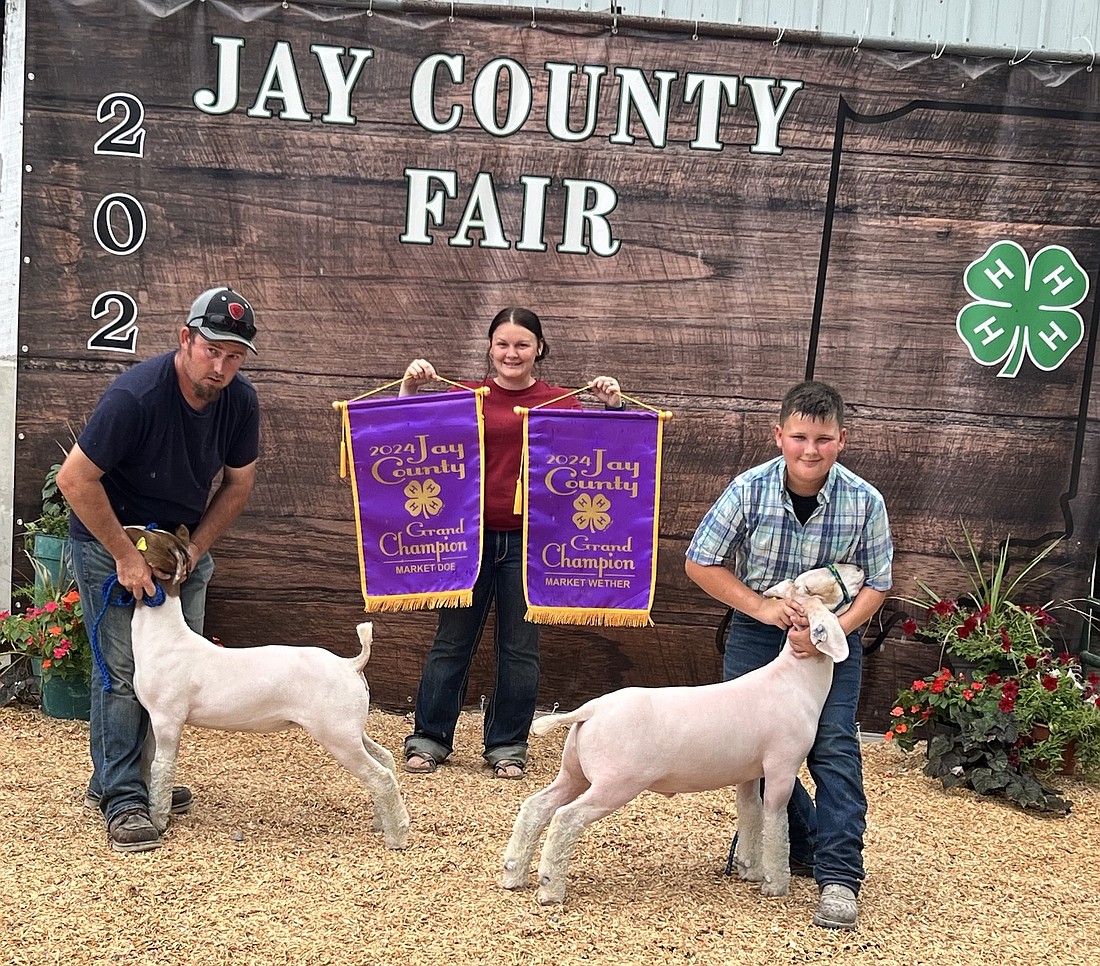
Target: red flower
{"x": 909, "y": 626}
{"x": 1031, "y": 662}
{"x": 922, "y": 684}
{"x": 943, "y": 608}
{"x": 897, "y": 712}
{"x": 902, "y": 728}
{"x": 50, "y": 606}
{"x": 983, "y": 614}
{"x": 967, "y": 693}
{"x": 992, "y": 678}
{"x": 1006, "y": 641}
{"x": 1007, "y": 703}
{"x": 1050, "y": 682}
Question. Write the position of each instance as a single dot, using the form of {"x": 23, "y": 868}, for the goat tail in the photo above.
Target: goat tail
{"x": 366, "y": 635}
{"x": 548, "y": 722}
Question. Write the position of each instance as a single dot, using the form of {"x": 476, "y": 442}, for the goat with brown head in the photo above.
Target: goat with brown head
{"x": 166, "y": 553}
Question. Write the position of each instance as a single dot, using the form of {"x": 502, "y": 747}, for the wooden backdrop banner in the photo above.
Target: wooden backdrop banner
{"x": 417, "y": 476}
{"x": 592, "y": 483}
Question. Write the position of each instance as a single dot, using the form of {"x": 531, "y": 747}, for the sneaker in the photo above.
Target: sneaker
{"x": 837, "y": 908}
{"x": 182, "y": 800}
{"x": 131, "y": 831}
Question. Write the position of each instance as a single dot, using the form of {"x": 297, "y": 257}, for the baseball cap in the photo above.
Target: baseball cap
{"x": 222, "y": 315}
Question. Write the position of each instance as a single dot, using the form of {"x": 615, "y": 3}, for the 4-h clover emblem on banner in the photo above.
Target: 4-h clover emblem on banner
{"x": 1023, "y": 307}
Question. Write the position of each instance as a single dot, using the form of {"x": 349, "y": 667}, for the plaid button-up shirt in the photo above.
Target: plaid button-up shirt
{"x": 754, "y": 522}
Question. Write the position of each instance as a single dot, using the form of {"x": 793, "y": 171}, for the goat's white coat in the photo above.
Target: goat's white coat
{"x": 182, "y": 678}
{"x": 688, "y": 739}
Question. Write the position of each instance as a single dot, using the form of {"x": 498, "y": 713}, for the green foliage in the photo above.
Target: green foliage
{"x": 48, "y": 624}
{"x": 54, "y": 518}
{"x": 985, "y": 625}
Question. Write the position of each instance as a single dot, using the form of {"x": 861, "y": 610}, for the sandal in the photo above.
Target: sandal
{"x": 510, "y": 768}
{"x": 420, "y": 763}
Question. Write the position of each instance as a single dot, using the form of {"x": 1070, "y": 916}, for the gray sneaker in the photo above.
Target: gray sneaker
{"x": 131, "y": 831}
{"x": 182, "y": 800}
{"x": 837, "y": 908}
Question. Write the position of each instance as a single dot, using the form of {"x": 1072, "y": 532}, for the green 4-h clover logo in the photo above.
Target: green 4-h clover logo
{"x": 1023, "y": 308}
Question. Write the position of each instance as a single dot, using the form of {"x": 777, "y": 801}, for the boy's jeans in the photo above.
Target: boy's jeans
{"x": 828, "y": 836}
{"x": 443, "y": 685}
{"x": 119, "y": 723}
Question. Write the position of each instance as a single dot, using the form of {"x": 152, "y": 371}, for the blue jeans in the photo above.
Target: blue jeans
{"x": 119, "y": 723}
{"x": 828, "y": 835}
{"x": 446, "y": 675}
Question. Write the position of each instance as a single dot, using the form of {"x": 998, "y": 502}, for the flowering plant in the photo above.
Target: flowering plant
{"x": 50, "y": 628}
{"x": 981, "y": 732}
{"x": 984, "y": 626}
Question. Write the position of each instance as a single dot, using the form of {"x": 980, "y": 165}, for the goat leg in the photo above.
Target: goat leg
{"x": 748, "y": 855}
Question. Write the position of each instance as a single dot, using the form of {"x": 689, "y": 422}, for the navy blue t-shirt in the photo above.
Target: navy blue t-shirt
{"x": 158, "y": 455}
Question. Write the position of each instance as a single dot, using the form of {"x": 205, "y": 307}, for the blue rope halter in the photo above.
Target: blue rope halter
{"x": 115, "y": 595}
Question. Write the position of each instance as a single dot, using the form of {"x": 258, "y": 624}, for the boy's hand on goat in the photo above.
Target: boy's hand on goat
{"x": 801, "y": 642}
{"x": 781, "y": 612}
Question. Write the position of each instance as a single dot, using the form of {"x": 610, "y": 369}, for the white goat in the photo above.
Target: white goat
{"x": 692, "y": 739}
{"x": 182, "y": 678}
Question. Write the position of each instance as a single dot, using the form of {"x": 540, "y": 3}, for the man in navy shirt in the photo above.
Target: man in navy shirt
{"x": 152, "y": 448}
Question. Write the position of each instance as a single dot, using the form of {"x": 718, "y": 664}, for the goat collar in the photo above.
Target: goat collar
{"x": 845, "y": 597}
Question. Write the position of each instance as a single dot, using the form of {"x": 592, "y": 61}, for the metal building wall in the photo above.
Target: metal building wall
{"x": 1015, "y": 29}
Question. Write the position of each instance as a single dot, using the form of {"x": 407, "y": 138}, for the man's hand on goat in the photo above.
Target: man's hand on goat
{"x": 135, "y": 574}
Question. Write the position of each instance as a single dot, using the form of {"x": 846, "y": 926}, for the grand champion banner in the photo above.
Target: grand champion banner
{"x": 592, "y": 484}
{"x": 418, "y": 483}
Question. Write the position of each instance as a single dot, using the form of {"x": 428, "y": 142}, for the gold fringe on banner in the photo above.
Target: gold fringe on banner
{"x": 587, "y": 617}
{"x": 398, "y": 602}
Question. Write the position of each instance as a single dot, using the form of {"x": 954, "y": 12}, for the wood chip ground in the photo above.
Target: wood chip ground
{"x": 277, "y": 864}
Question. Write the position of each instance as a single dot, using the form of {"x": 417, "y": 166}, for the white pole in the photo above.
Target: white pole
{"x": 11, "y": 200}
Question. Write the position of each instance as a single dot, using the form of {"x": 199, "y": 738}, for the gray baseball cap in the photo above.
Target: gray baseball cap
{"x": 222, "y": 315}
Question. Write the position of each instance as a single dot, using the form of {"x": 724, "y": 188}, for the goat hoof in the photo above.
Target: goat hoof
{"x": 514, "y": 877}
{"x": 549, "y": 893}
{"x": 774, "y": 889}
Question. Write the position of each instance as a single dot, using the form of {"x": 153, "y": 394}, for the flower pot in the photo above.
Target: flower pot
{"x": 47, "y": 552}
{"x": 67, "y": 698}
{"x": 1041, "y": 732}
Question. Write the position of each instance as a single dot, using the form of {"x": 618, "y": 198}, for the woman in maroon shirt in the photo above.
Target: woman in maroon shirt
{"x": 516, "y": 345}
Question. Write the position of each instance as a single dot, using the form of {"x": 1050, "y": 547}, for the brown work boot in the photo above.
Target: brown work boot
{"x": 131, "y": 831}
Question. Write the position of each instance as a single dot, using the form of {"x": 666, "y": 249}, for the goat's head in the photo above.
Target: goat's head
{"x": 165, "y": 553}
{"x": 834, "y": 586}
{"x": 823, "y": 593}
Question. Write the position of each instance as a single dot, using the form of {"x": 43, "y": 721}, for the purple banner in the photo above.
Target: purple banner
{"x": 416, "y": 473}
{"x": 592, "y": 481}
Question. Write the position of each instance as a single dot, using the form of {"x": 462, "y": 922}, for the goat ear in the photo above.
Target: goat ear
{"x": 183, "y": 533}
{"x": 835, "y": 644}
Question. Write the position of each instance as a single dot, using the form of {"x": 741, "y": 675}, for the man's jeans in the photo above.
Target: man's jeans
{"x": 446, "y": 675}
{"x": 830, "y": 835}
{"x": 119, "y": 724}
